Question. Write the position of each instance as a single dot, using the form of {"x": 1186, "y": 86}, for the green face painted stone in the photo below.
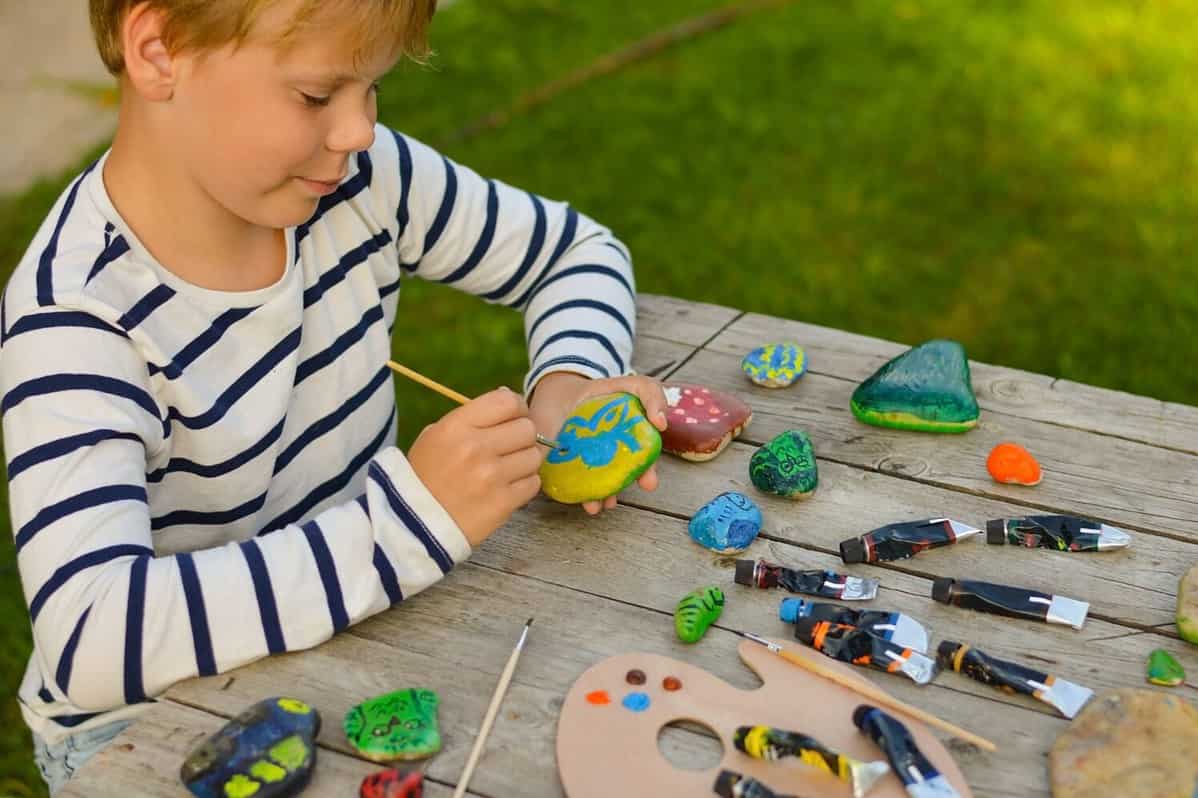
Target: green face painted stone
{"x": 1187, "y": 606}
{"x": 925, "y": 389}
{"x": 606, "y": 444}
{"x": 786, "y": 466}
{"x": 698, "y": 610}
{"x": 1164, "y": 670}
{"x": 399, "y": 725}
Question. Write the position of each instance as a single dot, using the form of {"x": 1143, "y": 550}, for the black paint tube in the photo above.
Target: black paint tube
{"x": 905, "y": 539}
{"x": 1016, "y": 602}
{"x": 893, "y": 626}
{"x": 918, "y": 775}
{"x": 815, "y": 583}
{"x": 1068, "y": 698}
{"x": 730, "y": 784}
{"x": 1057, "y": 532}
{"x": 858, "y": 647}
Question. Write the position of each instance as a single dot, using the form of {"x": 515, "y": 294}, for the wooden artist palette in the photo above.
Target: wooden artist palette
{"x": 610, "y": 748}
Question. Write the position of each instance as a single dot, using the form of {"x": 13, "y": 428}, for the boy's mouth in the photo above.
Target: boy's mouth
{"x": 320, "y": 186}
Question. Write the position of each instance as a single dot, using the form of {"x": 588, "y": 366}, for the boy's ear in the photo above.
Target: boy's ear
{"x": 149, "y": 64}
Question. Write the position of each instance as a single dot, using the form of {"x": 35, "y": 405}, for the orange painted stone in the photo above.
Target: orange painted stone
{"x": 1011, "y": 464}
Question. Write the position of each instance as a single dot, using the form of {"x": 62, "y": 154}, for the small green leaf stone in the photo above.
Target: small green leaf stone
{"x": 786, "y": 466}
{"x": 399, "y": 725}
{"x": 1164, "y": 670}
{"x": 926, "y": 389}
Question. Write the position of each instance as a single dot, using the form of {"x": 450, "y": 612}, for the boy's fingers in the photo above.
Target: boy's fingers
{"x": 525, "y": 490}
{"x": 512, "y": 436}
{"x": 492, "y": 408}
{"x": 648, "y": 480}
{"x": 651, "y": 394}
{"x": 592, "y": 508}
{"x": 521, "y": 464}
{"x": 609, "y": 503}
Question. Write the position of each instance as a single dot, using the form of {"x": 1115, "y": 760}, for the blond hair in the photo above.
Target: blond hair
{"x": 209, "y": 24}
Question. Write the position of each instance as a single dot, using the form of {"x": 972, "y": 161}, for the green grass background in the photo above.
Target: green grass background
{"x": 1016, "y": 175}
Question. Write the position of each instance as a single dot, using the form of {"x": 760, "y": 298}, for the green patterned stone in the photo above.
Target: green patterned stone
{"x": 1164, "y": 670}
{"x": 926, "y": 388}
{"x": 399, "y": 725}
{"x": 1187, "y": 606}
{"x": 786, "y": 466}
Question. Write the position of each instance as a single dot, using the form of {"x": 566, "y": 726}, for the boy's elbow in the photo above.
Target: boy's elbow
{"x": 89, "y": 669}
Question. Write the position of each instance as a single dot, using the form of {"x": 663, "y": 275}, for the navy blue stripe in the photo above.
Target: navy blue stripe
{"x": 142, "y": 309}
{"x": 66, "y": 661}
{"x": 346, "y": 191}
{"x": 135, "y": 617}
{"x": 564, "y": 360}
{"x": 208, "y": 518}
{"x": 64, "y": 446}
{"x": 387, "y": 576}
{"x": 45, "y": 694}
{"x": 45, "y": 281}
{"x": 244, "y": 384}
{"x": 389, "y": 289}
{"x": 92, "y": 558}
{"x": 405, "y": 182}
{"x": 484, "y": 238}
{"x": 200, "y": 635}
{"x": 72, "y": 318}
{"x": 202, "y": 342}
{"x": 588, "y": 334}
{"x": 336, "y": 274}
{"x": 581, "y": 303}
{"x": 95, "y": 497}
{"x": 409, "y": 518}
{"x": 338, "y": 347}
{"x": 71, "y": 721}
{"x": 332, "y": 420}
{"x": 57, "y": 383}
{"x": 331, "y": 486}
{"x": 328, "y": 575}
{"x": 445, "y": 211}
{"x": 563, "y": 242}
{"x": 364, "y": 504}
{"x": 534, "y": 250}
{"x": 587, "y": 268}
{"x": 267, "y": 609}
{"x": 113, "y": 250}
{"x": 183, "y": 465}
{"x": 620, "y": 250}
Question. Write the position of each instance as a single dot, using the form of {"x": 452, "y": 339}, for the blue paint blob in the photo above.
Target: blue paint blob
{"x": 637, "y": 702}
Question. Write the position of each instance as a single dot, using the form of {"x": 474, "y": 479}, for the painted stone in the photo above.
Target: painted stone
{"x": 727, "y": 524}
{"x": 392, "y": 783}
{"x": 266, "y": 752}
{"x": 1011, "y": 464}
{"x": 698, "y": 610}
{"x": 1164, "y": 670}
{"x": 926, "y": 388}
{"x": 1129, "y": 743}
{"x": 775, "y": 365}
{"x": 786, "y": 466}
{"x": 606, "y": 444}
{"x": 1187, "y": 606}
{"x": 702, "y": 421}
{"x": 399, "y": 725}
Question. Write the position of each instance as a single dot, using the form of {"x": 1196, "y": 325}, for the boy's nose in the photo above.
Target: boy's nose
{"x": 353, "y": 133}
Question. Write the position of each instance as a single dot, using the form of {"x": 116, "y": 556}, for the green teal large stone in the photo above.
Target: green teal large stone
{"x": 786, "y": 466}
{"x": 399, "y": 725}
{"x": 926, "y": 388}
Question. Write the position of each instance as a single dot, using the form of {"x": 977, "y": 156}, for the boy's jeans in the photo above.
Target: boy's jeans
{"x": 59, "y": 762}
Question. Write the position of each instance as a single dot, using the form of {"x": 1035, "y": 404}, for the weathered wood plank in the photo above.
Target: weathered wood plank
{"x": 999, "y": 389}
{"x": 1123, "y": 482}
{"x": 678, "y": 320}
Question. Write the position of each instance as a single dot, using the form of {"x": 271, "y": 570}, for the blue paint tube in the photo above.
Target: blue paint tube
{"x": 918, "y": 775}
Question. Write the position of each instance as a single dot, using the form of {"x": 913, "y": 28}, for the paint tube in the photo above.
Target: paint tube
{"x": 765, "y": 742}
{"x": 828, "y": 584}
{"x": 859, "y": 647}
{"x": 918, "y": 775}
{"x": 730, "y": 784}
{"x": 1059, "y": 532}
{"x": 1067, "y": 697}
{"x": 892, "y": 626}
{"x": 904, "y": 539}
{"x": 1016, "y": 602}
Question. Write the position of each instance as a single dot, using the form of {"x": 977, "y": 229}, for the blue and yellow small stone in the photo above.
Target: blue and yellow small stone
{"x": 775, "y": 365}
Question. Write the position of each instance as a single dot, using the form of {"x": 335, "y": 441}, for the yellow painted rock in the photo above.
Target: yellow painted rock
{"x": 605, "y": 445}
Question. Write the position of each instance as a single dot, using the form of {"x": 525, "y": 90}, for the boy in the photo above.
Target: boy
{"x": 197, "y": 414}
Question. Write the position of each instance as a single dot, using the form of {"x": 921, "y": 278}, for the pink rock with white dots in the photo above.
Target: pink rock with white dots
{"x": 702, "y": 421}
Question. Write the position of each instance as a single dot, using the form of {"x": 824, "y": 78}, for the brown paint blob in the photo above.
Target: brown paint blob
{"x": 671, "y": 683}
{"x": 598, "y": 698}
{"x": 635, "y": 676}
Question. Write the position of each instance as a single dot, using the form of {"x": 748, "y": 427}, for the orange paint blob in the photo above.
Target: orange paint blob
{"x": 671, "y": 683}
{"x": 1011, "y": 464}
{"x": 598, "y": 698}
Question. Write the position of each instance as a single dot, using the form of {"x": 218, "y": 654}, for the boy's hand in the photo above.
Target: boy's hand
{"x": 480, "y": 461}
{"x": 556, "y": 395}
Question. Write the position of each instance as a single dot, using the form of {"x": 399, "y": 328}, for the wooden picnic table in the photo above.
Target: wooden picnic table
{"x": 609, "y": 585}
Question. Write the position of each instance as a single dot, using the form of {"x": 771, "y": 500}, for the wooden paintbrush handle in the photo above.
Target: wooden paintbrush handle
{"x": 416, "y": 376}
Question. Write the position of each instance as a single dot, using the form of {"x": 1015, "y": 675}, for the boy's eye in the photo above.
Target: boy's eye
{"x": 316, "y": 102}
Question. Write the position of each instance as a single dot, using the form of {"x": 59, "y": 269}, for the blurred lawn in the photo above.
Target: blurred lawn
{"x": 1019, "y": 176}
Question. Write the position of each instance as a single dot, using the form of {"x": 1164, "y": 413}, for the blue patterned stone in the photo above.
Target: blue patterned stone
{"x": 727, "y": 524}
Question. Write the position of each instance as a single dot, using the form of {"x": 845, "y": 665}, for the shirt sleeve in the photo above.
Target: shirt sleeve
{"x": 571, "y": 278}
{"x": 112, "y": 622}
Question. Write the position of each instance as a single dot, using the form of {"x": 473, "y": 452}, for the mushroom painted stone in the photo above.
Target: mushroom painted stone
{"x": 786, "y": 466}
{"x": 702, "y": 422}
{"x": 727, "y": 524}
{"x": 267, "y": 751}
{"x": 605, "y": 445}
{"x": 926, "y": 389}
{"x": 1011, "y": 464}
{"x": 775, "y": 365}
{"x": 399, "y": 725}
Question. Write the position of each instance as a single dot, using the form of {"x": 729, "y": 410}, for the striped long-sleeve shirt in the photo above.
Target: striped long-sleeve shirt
{"x": 200, "y": 478}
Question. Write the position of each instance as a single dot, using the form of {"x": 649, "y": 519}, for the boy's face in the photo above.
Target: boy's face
{"x": 266, "y": 130}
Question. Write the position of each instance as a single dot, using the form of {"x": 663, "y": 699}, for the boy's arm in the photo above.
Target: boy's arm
{"x": 112, "y": 622}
